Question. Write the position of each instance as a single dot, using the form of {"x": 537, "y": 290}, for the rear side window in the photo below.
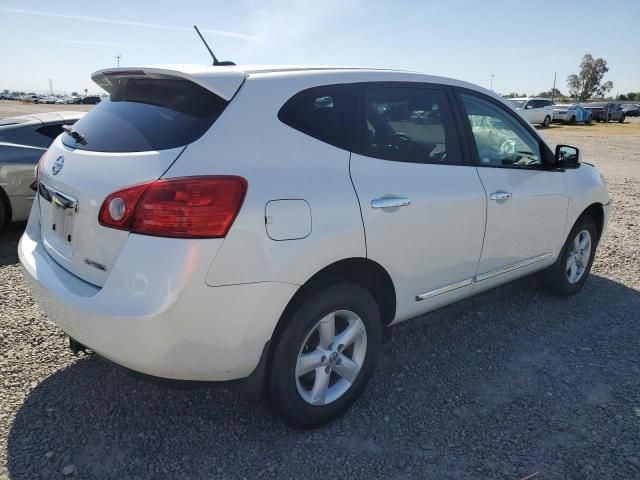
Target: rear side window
{"x": 326, "y": 113}
{"x": 145, "y": 114}
{"x": 409, "y": 124}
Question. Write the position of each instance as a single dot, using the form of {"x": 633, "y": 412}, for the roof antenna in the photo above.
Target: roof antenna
{"x": 216, "y": 62}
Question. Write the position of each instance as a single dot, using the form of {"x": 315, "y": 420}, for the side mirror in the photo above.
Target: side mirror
{"x": 567, "y": 156}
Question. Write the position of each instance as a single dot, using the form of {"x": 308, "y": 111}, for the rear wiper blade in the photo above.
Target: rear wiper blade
{"x": 77, "y": 136}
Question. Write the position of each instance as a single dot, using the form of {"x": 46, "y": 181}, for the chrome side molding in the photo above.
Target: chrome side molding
{"x": 484, "y": 276}
{"x": 444, "y": 289}
{"x": 500, "y": 271}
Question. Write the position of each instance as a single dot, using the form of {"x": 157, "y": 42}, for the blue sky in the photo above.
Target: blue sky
{"x": 522, "y": 43}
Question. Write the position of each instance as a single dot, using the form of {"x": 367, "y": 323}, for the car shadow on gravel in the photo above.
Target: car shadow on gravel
{"x": 502, "y": 385}
{"x": 9, "y": 243}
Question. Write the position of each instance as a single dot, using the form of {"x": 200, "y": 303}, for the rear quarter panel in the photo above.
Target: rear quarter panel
{"x": 278, "y": 162}
{"x": 16, "y": 174}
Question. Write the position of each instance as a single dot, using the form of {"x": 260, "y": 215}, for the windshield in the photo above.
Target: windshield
{"x": 145, "y": 114}
{"x": 518, "y": 103}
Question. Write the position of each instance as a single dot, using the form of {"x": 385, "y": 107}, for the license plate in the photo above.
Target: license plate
{"x": 62, "y": 223}
{"x": 62, "y": 209}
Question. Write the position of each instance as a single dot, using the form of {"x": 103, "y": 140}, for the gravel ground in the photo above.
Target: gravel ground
{"x": 510, "y": 384}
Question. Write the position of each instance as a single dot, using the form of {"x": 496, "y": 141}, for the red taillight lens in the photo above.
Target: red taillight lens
{"x": 36, "y": 173}
{"x": 188, "y": 207}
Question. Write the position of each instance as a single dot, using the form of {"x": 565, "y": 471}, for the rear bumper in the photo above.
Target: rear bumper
{"x": 155, "y": 314}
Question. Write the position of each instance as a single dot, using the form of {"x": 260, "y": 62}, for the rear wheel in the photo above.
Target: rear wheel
{"x": 547, "y": 121}
{"x": 570, "y": 271}
{"x": 621, "y": 119}
{"x": 325, "y": 356}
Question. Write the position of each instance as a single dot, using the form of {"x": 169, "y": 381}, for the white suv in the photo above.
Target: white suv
{"x": 266, "y": 224}
{"x": 538, "y": 111}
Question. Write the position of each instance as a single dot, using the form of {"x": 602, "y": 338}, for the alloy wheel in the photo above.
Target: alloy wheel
{"x": 331, "y": 357}
{"x": 579, "y": 255}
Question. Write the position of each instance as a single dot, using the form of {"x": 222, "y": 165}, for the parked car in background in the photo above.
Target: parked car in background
{"x": 23, "y": 140}
{"x": 201, "y": 263}
{"x": 631, "y": 110}
{"x": 605, "y": 112}
{"x": 538, "y": 111}
{"x": 571, "y": 113}
{"x": 89, "y": 100}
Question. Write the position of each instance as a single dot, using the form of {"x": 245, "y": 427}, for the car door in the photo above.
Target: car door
{"x": 527, "y": 206}
{"x": 423, "y": 206}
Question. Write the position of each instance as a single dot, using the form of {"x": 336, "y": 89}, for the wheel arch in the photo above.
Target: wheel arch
{"x": 595, "y": 211}
{"x": 362, "y": 271}
{"x": 6, "y": 203}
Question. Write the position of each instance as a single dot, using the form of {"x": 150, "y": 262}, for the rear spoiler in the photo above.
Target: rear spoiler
{"x": 219, "y": 80}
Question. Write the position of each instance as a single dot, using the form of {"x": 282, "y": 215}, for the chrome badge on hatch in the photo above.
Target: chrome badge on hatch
{"x": 95, "y": 264}
{"x": 57, "y": 165}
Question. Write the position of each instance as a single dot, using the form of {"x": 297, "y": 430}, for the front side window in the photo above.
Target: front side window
{"x": 501, "y": 141}
{"x": 409, "y": 124}
{"x": 325, "y": 113}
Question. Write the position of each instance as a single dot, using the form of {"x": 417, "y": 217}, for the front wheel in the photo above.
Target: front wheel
{"x": 325, "y": 355}
{"x": 621, "y": 119}
{"x": 547, "y": 121}
{"x": 572, "y": 120}
{"x": 570, "y": 271}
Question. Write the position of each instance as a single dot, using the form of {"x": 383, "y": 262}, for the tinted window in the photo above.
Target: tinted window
{"x": 148, "y": 114}
{"x": 325, "y": 113}
{"x": 51, "y": 131}
{"x": 501, "y": 140}
{"x": 32, "y": 134}
{"x": 409, "y": 124}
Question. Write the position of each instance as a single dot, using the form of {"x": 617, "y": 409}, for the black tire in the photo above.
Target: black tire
{"x": 555, "y": 278}
{"x": 589, "y": 120}
{"x": 4, "y": 216}
{"x": 285, "y": 398}
{"x": 546, "y": 122}
{"x": 572, "y": 120}
{"x": 621, "y": 119}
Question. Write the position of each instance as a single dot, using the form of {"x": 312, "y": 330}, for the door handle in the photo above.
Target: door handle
{"x": 390, "y": 202}
{"x": 500, "y": 196}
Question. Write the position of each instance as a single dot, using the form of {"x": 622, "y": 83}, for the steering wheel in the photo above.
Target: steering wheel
{"x": 399, "y": 140}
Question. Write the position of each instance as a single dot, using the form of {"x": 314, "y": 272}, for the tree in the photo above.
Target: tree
{"x": 74, "y": 94}
{"x": 631, "y": 96}
{"x": 554, "y": 92}
{"x": 588, "y": 82}
{"x": 622, "y": 97}
{"x": 514, "y": 95}
{"x": 5, "y": 92}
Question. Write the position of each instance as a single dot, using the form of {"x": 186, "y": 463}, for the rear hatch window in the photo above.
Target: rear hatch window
{"x": 144, "y": 114}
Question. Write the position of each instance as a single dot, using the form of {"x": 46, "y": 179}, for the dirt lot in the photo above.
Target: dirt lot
{"x": 10, "y": 108}
{"x": 510, "y": 384}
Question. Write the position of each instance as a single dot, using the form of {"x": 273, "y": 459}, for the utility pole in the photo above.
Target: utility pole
{"x": 118, "y": 57}
{"x": 50, "y": 87}
{"x": 492, "y": 75}
{"x": 553, "y": 90}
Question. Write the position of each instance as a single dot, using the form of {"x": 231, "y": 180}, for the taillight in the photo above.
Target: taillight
{"x": 36, "y": 173}
{"x": 187, "y": 207}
